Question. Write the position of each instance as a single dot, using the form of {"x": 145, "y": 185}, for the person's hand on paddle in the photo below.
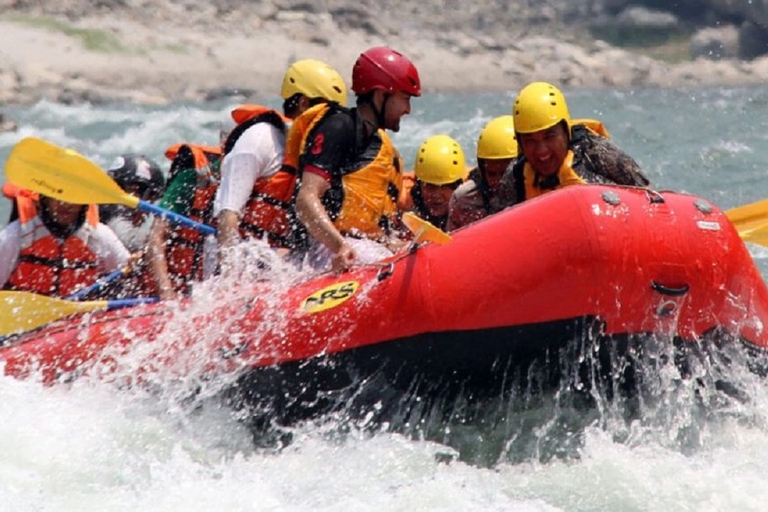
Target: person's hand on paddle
{"x": 134, "y": 260}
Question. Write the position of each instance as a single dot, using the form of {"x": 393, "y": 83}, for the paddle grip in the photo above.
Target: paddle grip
{"x": 176, "y": 218}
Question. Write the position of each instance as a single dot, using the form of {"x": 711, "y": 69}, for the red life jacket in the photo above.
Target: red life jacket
{"x": 185, "y": 246}
{"x": 48, "y": 266}
{"x": 269, "y": 211}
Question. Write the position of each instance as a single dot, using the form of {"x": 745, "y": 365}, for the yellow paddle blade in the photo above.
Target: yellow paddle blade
{"x": 63, "y": 174}
{"x": 751, "y": 221}
{"x": 757, "y": 211}
{"x": 425, "y": 231}
{"x": 23, "y": 311}
{"x": 756, "y": 235}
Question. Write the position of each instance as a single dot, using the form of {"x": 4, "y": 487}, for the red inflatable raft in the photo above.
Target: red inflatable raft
{"x": 587, "y": 263}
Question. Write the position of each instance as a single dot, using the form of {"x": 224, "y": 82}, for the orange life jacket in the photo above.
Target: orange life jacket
{"x": 370, "y": 194}
{"x": 185, "y": 246}
{"x": 25, "y": 203}
{"x": 202, "y": 155}
{"x": 593, "y": 125}
{"x": 48, "y": 266}
{"x": 269, "y": 211}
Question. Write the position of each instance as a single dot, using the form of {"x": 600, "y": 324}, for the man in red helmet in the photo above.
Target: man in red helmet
{"x": 350, "y": 171}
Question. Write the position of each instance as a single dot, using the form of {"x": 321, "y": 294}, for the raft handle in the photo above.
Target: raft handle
{"x": 668, "y": 290}
{"x": 654, "y": 196}
{"x": 385, "y": 271}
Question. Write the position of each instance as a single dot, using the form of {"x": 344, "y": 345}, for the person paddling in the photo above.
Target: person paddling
{"x": 141, "y": 177}
{"x": 259, "y": 167}
{"x": 350, "y": 171}
{"x": 558, "y": 151}
{"x": 56, "y": 248}
{"x": 176, "y": 253}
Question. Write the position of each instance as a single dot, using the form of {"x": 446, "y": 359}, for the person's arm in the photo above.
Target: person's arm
{"x": 258, "y": 153}
{"x": 158, "y": 263}
{"x": 507, "y": 192}
{"x": 229, "y": 228}
{"x": 465, "y": 206}
{"x": 113, "y": 253}
{"x": 178, "y": 198}
{"x": 311, "y": 212}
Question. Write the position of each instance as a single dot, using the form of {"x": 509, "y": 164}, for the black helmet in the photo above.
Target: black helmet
{"x": 140, "y": 171}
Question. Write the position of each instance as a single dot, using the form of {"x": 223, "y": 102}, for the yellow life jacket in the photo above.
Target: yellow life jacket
{"x": 370, "y": 194}
{"x": 566, "y": 176}
{"x": 528, "y": 184}
{"x": 296, "y": 140}
{"x": 593, "y": 125}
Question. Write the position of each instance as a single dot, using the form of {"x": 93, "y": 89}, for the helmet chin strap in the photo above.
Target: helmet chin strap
{"x": 379, "y": 112}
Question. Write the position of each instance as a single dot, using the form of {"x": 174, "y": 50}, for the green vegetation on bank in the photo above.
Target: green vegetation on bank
{"x": 674, "y": 51}
{"x": 671, "y": 46}
{"x": 92, "y": 39}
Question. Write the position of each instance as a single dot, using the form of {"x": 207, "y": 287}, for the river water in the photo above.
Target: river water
{"x": 92, "y": 446}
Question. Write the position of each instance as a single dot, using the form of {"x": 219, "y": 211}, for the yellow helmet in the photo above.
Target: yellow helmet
{"x": 314, "y": 79}
{"x": 539, "y": 106}
{"x": 497, "y": 139}
{"x": 440, "y": 161}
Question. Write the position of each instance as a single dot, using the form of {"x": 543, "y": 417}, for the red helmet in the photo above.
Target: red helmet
{"x": 384, "y": 68}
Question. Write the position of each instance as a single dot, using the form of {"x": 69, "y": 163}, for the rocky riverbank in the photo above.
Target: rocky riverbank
{"x": 157, "y": 52}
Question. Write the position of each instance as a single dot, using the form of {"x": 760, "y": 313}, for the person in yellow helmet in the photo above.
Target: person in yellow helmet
{"x": 557, "y": 151}
{"x": 478, "y": 196}
{"x": 438, "y": 171}
{"x": 254, "y": 154}
{"x": 309, "y": 82}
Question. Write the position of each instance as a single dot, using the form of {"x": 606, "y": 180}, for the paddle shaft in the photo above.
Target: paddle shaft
{"x": 176, "y": 218}
{"x": 104, "y": 281}
{"x": 128, "y": 303}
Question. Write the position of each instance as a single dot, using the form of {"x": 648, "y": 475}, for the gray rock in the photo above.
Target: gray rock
{"x": 353, "y": 17}
{"x": 314, "y": 6}
{"x": 231, "y": 92}
{"x": 715, "y": 43}
{"x": 642, "y": 17}
{"x": 7, "y": 124}
{"x": 753, "y": 40}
